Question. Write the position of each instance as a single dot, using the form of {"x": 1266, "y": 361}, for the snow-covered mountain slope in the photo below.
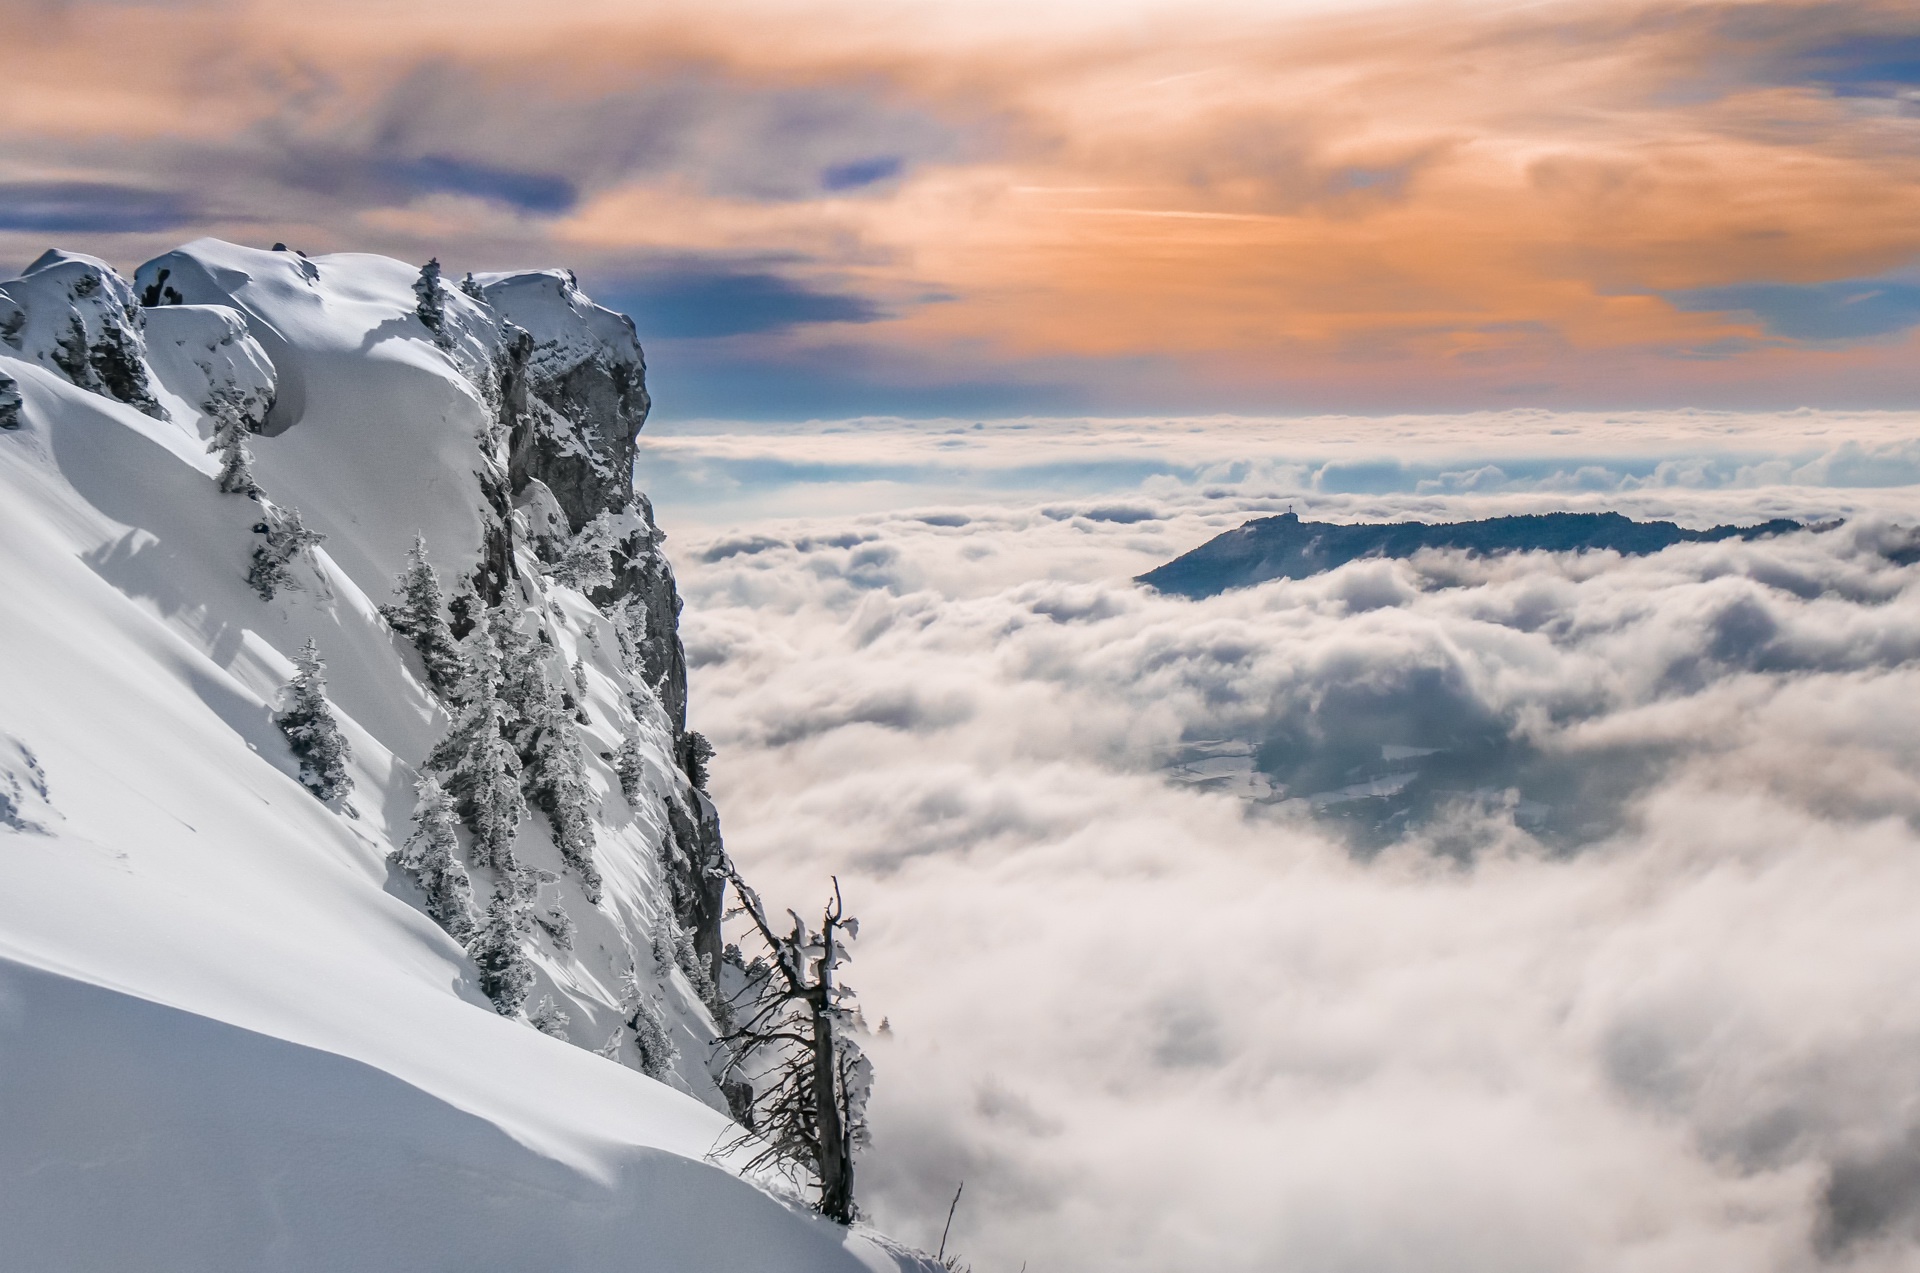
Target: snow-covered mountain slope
{"x": 231, "y": 1037}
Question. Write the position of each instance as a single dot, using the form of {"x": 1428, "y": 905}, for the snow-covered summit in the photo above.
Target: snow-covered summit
{"x": 386, "y": 1028}
{"x": 75, "y": 316}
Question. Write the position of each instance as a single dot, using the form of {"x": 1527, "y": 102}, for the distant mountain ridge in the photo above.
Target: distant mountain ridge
{"x": 1285, "y": 547}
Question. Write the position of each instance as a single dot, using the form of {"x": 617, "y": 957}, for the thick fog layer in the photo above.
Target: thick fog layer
{"x": 1172, "y": 980}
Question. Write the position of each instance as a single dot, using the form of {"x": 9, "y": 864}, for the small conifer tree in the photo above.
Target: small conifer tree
{"x": 523, "y": 674}
{"x": 549, "y": 1018}
{"x": 421, "y": 617}
{"x": 471, "y": 289}
{"x": 586, "y": 562}
{"x": 650, "y": 1038}
{"x": 558, "y": 925}
{"x": 482, "y": 768}
{"x": 428, "y": 305}
{"x": 229, "y": 442}
{"x": 506, "y": 975}
{"x": 580, "y": 692}
{"x": 309, "y": 725}
{"x": 285, "y": 537}
{"x": 556, "y": 777}
{"x": 631, "y": 768}
{"x": 431, "y": 855}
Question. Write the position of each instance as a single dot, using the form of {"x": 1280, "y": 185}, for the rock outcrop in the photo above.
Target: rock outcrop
{"x": 75, "y": 315}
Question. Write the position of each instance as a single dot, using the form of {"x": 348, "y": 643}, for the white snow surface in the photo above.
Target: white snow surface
{"x": 200, "y": 351}
{"x": 229, "y": 1037}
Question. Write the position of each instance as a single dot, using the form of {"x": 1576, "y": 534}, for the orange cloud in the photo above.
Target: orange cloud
{"x": 1406, "y": 194}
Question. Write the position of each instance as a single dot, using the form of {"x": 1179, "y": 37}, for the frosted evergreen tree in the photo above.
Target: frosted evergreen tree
{"x": 230, "y": 432}
{"x": 631, "y": 768}
{"x": 431, "y": 856}
{"x": 650, "y": 1039}
{"x": 543, "y": 733}
{"x": 580, "y": 691}
{"x": 285, "y": 537}
{"x": 506, "y": 975}
{"x": 428, "y": 305}
{"x": 558, "y": 925}
{"x": 421, "y": 617}
{"x": 550, "y": 1019}
{"x": 471, "y": 290}
{"x": 482, "y": 768}
{"x": 694, "y": 968}
{"x": 523, "y": 675}
{"x": 556, "y": 778}
{"x": 309, "y": 725}
{"x": 586, "y": 562}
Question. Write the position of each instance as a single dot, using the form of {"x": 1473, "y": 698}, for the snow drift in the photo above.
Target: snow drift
{"x": 230, "y": 1035}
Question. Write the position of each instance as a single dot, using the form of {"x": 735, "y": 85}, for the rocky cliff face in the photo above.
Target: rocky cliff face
{"x": 571, "y": 396}
{"x": 499, "y": 418}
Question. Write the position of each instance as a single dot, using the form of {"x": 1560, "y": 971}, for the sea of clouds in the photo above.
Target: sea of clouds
{"x": 1158, "y": 1019}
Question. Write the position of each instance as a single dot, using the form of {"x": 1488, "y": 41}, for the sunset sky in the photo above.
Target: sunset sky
{"x": 993, "y": 208}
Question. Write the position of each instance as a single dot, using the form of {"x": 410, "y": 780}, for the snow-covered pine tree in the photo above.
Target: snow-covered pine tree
{"x": 586, "y": 562}
{"x": 694, "y": 968}
{"x": 650, "y": 1039}
{"x": 471, "y": 290}
{"x": 580, "y": 691}
{"x": 482, "y": 768}
{"x": 631, "y": 768}
{"x": 523, "y": 674}
{"x": 230, "y": 432}
{"x": 558, "y": 925}
{"x": 308, "y": 723}
{"x": 556, "y": 778}
{"x": 506, "y": 975}
{"x": 421, "y": 617}
{"x": 432, "y": 855}
{"x": 428, "y": 305}
{"x": 550, "y": 1019}
{"x": 554, "y": 771}
{"x": 286, "y": 537}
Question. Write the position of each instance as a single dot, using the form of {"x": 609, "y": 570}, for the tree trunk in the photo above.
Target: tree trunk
{"x": 836, "y": 1160}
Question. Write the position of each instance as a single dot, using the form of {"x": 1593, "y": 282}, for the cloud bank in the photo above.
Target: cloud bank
{"x": 1158, "y": 1017}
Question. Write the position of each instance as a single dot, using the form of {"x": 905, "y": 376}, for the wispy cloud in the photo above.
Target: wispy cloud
{"x": 1231, "y": 206}
{"x": 91, "y": 207}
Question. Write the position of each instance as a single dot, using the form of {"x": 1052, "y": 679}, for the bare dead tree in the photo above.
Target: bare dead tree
{"x": 793, "y": 1052}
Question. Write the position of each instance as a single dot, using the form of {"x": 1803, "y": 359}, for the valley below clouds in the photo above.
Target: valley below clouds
{"x": 1542, "y": 911}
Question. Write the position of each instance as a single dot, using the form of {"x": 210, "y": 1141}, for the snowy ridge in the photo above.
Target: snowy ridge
{"x": 309, "y": 1073}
